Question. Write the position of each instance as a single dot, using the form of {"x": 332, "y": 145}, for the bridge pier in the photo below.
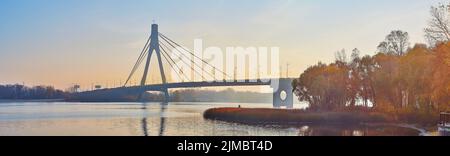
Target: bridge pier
{"x": 166, "y": 95}
{"x": 283, "y": 95}
{"x": 164, "y": 91}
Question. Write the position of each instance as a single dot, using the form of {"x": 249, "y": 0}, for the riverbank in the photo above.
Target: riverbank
{"x": 295, "y": 116}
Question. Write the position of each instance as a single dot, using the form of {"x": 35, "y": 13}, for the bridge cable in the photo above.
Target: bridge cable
{"x": 172, "y": 65}
{"x": 139, "y": 60}
{"x": 138, "y": 64}
{"x": 190, "y": 65}
{"x": 146, "y": 52}
{"x": 182, "y": 54}
{"x": 165, "y": 37}
{"x": 173, "y": 46}
{"x": 197, "y": 72}
{"x": 172, "y": 61}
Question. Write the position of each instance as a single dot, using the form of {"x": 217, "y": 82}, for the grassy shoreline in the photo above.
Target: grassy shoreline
{"x": 295, "y": 116}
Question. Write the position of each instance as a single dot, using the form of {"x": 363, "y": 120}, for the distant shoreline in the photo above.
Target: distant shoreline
{"x": 31, "y": 100}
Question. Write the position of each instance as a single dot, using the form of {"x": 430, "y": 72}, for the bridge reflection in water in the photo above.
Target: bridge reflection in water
{"x": 162, "y": 123}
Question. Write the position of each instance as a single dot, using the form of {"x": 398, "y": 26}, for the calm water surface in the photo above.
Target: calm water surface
{"x": 154, "y": 119}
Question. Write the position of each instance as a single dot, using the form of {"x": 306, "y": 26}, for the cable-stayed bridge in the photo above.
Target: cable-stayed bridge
{"x": 159, "y": 44}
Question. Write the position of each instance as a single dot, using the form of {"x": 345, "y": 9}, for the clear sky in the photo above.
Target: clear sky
{"x": 62, "y": 42}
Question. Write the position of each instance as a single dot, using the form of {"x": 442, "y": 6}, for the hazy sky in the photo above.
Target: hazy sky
{"x": 62, "y": 42}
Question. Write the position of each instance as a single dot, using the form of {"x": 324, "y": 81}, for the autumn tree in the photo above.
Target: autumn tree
{"x": 354, "y": 80}
{"x": 415, "y": 73}
{"x": 440, "y": 83}
{"x": 396, "y": 43}
{"x": 416, "y": 82}
{"x": 327, "y": 87}
{"x": 308, "y": 86}
{"x": 365, "y": 71}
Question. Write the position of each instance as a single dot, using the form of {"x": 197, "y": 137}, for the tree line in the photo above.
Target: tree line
{"x": 397, "y": 78}
{"x": 23, "y": 92}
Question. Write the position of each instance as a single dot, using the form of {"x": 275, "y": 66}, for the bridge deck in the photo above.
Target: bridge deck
{"x": 159, "y": 87}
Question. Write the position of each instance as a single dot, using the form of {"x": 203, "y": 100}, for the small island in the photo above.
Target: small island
{"x": 423, "y": 123}
{"x": 293, "y": 116}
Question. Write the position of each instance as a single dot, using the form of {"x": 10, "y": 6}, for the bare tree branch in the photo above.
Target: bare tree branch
{"x": 438, "y": 29}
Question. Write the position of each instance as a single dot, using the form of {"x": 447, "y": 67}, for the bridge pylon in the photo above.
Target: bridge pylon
{"x": 154, "y": 47}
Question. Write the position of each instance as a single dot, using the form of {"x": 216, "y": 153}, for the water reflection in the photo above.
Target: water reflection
{"x": 147, "y": 119}
{"x": 144, "y": 126}
{"x": 162, "y": 123}
{"x": 355, "y": 130}
{"x": 144, "y": 120}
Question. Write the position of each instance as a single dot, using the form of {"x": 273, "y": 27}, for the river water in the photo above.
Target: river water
{"x": 154, "y": 119}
